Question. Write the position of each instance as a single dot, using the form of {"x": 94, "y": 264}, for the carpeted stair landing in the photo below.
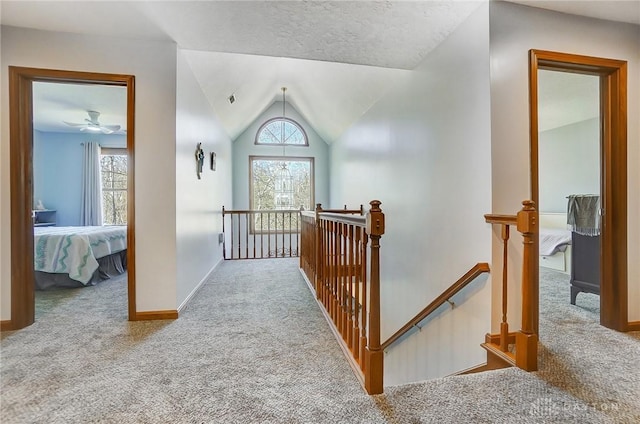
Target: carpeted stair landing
{"x": 252, "y": 347}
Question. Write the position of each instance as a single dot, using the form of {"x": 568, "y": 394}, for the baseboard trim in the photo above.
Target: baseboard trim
{"x": 633, "y": 326}
{"x": 355, "y": 367}
{"x": 155, "y": 315}
{"x": 200, "y": 284}
{"x": 471, "y": 370}
{"x": 6, "y": 325}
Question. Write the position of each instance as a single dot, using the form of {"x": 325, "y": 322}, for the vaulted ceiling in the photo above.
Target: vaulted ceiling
{"x": 337, "y": 58}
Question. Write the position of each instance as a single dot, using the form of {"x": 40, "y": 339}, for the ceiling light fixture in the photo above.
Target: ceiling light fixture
{"x": 284, "y": 189}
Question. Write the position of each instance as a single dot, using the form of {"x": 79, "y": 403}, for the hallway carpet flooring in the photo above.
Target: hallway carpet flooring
{"x": 252, "y": 347}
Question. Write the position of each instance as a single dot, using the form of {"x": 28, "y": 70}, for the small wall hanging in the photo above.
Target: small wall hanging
{"x": 199, "y": 159}
{"x": 212, "y": 158}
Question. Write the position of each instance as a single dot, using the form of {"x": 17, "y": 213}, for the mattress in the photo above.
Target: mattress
{"x": 75, "y": 251}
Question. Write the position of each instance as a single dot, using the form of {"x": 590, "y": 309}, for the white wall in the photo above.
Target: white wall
{"x": 198, "y": 201}
{"x": 514, "y": 30}
{"x": 424, "y": 151}
{"x": 244, "y": 146}
{"x": 568, "y": 163}
{"x": 154, "y": 66}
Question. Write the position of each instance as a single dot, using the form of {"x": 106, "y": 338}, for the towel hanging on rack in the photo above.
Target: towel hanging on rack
{"x": 583, "y": 214}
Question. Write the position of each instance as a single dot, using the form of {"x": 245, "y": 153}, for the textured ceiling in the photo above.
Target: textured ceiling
{"x": 336, "y": 57}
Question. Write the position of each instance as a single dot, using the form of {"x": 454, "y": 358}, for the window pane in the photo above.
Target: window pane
{"x": 281, "y": 131}
{"x": 271, "y": 190}
{"x": 114, "y": 186}
{"x": 114, "y": 204}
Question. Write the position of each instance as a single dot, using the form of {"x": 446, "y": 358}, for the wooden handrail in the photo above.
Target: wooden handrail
{"x": 462, "y": 282}
{"x": 246, "y": 211}
{"x": 342, "y": 211}
{"x": 347, "y": 219}
{"x": 501, "y": 219}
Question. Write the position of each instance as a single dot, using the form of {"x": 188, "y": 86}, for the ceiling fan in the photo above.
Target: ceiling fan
{"x": 92, "y": 124}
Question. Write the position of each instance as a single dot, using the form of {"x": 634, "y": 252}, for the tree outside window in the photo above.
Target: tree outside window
{"x": 113, "y": 168}
{"x": 266, "y": 191}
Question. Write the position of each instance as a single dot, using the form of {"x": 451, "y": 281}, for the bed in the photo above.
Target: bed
{"x": 66, "y": 257}
{"x": 555, "y": 242}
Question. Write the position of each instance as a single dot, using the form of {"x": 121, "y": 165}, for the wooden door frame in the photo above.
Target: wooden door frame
{"x": 21, "y": 166}
{"x": 613, "y": 178}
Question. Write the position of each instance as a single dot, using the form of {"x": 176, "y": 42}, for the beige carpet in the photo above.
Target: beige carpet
{"x": 252, "y": 347}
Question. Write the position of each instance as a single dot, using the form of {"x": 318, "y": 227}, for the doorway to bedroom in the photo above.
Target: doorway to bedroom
{"x": 39, "y": 203}
{"x": 607, "y": 207}
{"x": 569, "y": 195}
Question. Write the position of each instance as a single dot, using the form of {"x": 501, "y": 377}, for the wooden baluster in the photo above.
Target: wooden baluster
{"x": 232, "y": 231}
{"x": 365, "y": 309}
{"x": 268, "y": 234}
{"x": 328, "y": 261}
{"x": 224, "y": 240}
{"x": 318, "y": 255}
{"x": 350, "y": 298}
{"x": 327, "y": 265}
{"x": 253, "y": 230}
{"x": 374, "y": 359}
{"x": 340, "y": 280}
{"x": 283, "y": 248}
{"x": 343, "y": 289}
{"x": 336, "y": 274}
{"x": 526, "y": 339}
{"x": 303, "y": 248}
{"x": 275, "y": 234}
{"x": 504, "y": 326}
{"x": 358, "y": 305}
{"x": 246, "y": 229}
{"x": 326, "y": 247}
{"x": 290, "y": 231}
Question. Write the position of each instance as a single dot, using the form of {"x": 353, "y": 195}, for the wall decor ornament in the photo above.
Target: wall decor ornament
{"x": 212, "y": 158}
{"x": 199, "y": 159}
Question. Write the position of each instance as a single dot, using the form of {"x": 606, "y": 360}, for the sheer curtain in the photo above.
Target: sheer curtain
{"x": 91, "y": 213}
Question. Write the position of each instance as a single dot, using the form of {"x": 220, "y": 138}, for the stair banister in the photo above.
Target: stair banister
{"x": 346, "y": 282}
{"x": 443, "y": 298}
{"x": 526, "y": 339}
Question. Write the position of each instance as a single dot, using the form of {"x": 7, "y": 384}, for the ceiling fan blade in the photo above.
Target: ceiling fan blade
{"x": 105, "y": 130}
{"x": 111, "y": 127}
{"x": 73, "y": 124}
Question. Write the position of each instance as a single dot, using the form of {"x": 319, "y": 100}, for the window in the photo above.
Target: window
{"x": 282, "y": 131}
{"x": 113, "y": 169}
{"x": 281, "y": 182}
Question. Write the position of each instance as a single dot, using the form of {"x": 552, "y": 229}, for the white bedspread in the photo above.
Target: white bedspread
{"x": 553, "y": 240}
{"x": 75, "y": 250}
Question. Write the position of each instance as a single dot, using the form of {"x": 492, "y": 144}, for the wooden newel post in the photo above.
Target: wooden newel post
{"x": 374, "y": 359}
{"x": 526, "y": 339}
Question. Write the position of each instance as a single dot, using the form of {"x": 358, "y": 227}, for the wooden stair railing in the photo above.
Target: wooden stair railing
{"x": 343, "y": 269}
{"x": 525, "y": 340}
{"x": 444, "y": 297}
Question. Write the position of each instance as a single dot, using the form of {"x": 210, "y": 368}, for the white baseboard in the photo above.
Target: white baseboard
{"x": 193, "y": 292}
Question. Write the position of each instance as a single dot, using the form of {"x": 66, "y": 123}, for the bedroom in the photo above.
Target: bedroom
{"x": 80, "y": 184}
{"x": 569, "y": 181}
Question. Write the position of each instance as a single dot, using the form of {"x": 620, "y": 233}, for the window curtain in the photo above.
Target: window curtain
{"x": 91, "y": 213}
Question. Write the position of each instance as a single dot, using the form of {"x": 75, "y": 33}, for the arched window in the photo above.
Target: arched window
{"x": 281, "y": 131}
